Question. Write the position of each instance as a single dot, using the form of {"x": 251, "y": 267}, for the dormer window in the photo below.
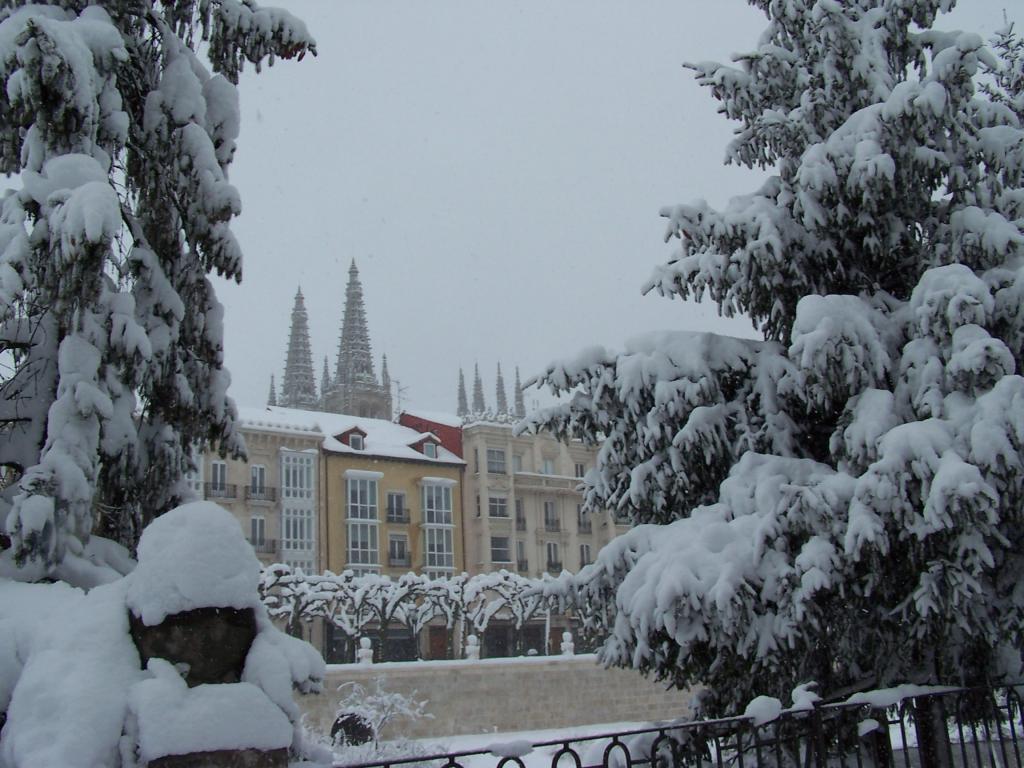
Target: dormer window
{"x": 355, "y": 441}
{"x": 430, "y": 450}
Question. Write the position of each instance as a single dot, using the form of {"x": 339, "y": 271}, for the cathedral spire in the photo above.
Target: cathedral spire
{"x": 385, "y": 377}
{"x": 298, "y": 390}
{"x": 520, "y": 407}
{"x": 272, "y": 397}
{"x": 355, "y": 389}
{"x": 478, "y": 391}
{"x": 463, "y": 407}
{"x": 502, "y": 401}
{"x": 355, "y": 362}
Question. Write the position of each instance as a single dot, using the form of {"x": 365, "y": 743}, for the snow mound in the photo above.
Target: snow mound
{"x": 193, "y": 557}
{"x": 173, "y": 719}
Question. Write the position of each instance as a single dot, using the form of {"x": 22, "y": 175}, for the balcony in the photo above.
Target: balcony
{"x": 554, "y": 567}
{"x": 264, "y": 546}
{"x": 552, "y": 526}
{"x": 398, "y": 516}
{"x": 539, "y": 480}
{"x": 520, "y": 523}
{"x": 522, "y": 566}
{"x": 220, "y": 491}
{"x": 586, "y": 526}
{"x": 399, "y": 561}
{"x": 261, "y": 493}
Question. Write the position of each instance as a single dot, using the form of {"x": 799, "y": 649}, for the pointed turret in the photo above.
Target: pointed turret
{"x": 272, "y": 397}
{"x": 520, "y": 407}
{"x": 502, "y": 400}
{"x": 478, "y": 391}
{"x": 298, "y": 390}
{"x": 385, "y": 377}
{"x": 463, "y": 407}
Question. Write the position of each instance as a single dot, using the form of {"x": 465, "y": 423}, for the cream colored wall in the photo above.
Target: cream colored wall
{"x": 402, "y": 476}
{"x": 264, "y": 447}
{"x": 507, "y": 694}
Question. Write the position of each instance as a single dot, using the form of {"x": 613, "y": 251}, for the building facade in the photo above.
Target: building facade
{"x": 275, "y": 493}
{"x": 524, "y": 512}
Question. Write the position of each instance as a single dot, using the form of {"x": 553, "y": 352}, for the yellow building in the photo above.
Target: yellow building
{"x": 392, "y": 499}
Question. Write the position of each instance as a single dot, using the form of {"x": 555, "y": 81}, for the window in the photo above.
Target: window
{"x": 297, "y": 530}
{"x": 218, "y": 476}
{"x": 438, "y": 546}
{"x": 397, "y": 511}
{"x": 362, "y": 522}
{"x": 438, "y": 551}
{"x": 497, "y": 506}
{"x": 547, "y": 467}
{"x": 257, "y": 531}
{"x": 520, "y": 516}
{"x": 398, "y": 550}
{"x": 517, "y": 462}
{"x": 584, "y": 555}
{"x": 430, "y": 450}
{"x": 554, "y": 563}
{"x": 583, "y": 520}
{"x": 476, "y": 460}
{"x": 362, "y": 498}
{"x": 496, "y": 461}
{"x": 437, "y": 504}
{"x": 581, "y": 469}
{"x": 551, "y": 521}
{"x": 355, "y": 441}
{"x": 296, "y": 476}
{"x": 500, "y": 550}
{"x": 258, "y": 480}
{"x": 521, "y": 563}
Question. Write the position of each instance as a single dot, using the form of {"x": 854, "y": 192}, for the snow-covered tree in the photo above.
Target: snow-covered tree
{"x": 843, "y": 499}
{"x": 122, "y": 137}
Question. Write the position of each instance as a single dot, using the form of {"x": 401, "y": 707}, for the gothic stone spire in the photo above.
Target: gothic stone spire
{"x": 298, "y": 390}
{"x": 520, "y": 407}
{"x": 478, "y": 391}
{"x": 355, "y": 362}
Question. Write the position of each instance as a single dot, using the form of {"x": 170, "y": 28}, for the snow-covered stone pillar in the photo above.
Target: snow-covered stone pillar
{"x": 472, "y": 648}
{"x": 568, "y": 646}
{"x": 364, "y": 655}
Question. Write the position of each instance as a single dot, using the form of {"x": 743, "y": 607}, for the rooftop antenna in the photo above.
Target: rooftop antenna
{"x": 399, "y": 391}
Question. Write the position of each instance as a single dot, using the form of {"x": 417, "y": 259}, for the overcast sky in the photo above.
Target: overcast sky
{"x": 495, "y": 168}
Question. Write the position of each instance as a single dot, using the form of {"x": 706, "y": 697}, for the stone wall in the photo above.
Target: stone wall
{"x": 507, "y": 694}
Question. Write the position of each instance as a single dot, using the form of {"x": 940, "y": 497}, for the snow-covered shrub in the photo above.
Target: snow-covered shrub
{"x": 374, "y": 709}
{"x": 123, "y": 138}
{"x": 843, "y": 500}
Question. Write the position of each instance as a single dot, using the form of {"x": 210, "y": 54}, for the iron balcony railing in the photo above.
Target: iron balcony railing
{"x": 398, "y": 515}
{"x": 399, "y": 560}
{"x": 554, "y": 567}
{"x": 220, "y": 490}
{"x": 586, "y": 526}
{"x": 522, "y": 566}
{"x": 552, "y": 526}
{"x": 260, "y": 493}
{"x": 948, "y": 728}
{"x": 264, "y": 546}
{"x": 520, "y": 523}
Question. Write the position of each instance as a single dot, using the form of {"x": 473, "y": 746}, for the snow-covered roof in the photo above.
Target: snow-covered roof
{"x": 383, "y": 438}
{"x": 438, "y": 417}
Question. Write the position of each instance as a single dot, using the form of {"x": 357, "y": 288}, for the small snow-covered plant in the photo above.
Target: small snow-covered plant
{"x": 379, "y": 707}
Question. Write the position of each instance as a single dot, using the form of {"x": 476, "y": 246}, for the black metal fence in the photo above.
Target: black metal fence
{"x": 953, "y": 728}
